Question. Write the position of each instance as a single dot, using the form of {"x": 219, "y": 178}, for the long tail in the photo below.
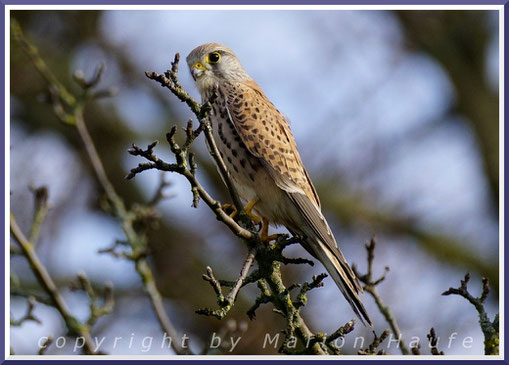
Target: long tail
{"x": 344, "y": 278}
{"x": 320, "y": 242}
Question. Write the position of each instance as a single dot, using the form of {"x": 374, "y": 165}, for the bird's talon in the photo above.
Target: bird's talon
{"x": 229, "y": 209}
{"x": 264, "y": 234}
{"x": 260, "y": 226}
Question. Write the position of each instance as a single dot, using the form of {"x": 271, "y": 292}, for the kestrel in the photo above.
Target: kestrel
{"x": 260, "y": 153}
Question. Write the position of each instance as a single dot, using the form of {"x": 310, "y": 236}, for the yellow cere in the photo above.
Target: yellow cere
{"x": 198, "y": 66}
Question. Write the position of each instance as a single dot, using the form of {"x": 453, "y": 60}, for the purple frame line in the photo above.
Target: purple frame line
{"x": 2, "y": 184}
{"x": 258, "y": 2}
{"x": 248, "y": 360}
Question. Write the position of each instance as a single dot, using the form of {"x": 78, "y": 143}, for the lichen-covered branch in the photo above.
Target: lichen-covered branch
{"x": 490, "y": 329}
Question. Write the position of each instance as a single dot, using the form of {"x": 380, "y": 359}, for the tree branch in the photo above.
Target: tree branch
{"x": 170, "y": 81}
{"x": 69, "y": 109}
{"x": 28, "y": 316}
{"x": 74, "y": 326}
{"x": 490, "y": 329}
{"x": 370, "y": 287}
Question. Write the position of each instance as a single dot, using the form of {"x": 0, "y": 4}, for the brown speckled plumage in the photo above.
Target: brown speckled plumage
{"x": 260, "y": 153}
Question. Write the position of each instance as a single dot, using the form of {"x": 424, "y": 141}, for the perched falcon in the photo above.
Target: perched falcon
{"x": 259, "y": 151}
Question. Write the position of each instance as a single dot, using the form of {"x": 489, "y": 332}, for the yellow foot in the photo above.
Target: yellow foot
{"x": 264, "y": 234}
{"x": 229, "y": 209}
{"x": 248, "y": 209}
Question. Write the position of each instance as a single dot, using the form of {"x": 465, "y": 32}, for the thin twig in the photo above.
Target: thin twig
{"x": 170, "y": 81}
{"x": 159, "y": 194}
{"x": 341, "y": 332}
{"x": 74, "y": 326}
{"x": 370, "y": 286}
{"x": 226, "y": 303}
{"x": 45, "y": 345}
{"x": 377, "y": 341}
{"x": 243, "y": 274}
{"x": 28, "y": 316}
{"x": 433, "y": 342}
{"x": 490, "y": 329}
{"x": 40, "y": 212}
{"x": 156, "y": 163}
{"x": 144, "y": 270}
{"x": 69, "y": 109}
{"x": 39, "y": 64}
{"x": 97, "y": 164}
{"x": 96, "y": 310}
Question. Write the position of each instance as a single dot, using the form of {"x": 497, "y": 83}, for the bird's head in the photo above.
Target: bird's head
{"x": 212, "y": 63}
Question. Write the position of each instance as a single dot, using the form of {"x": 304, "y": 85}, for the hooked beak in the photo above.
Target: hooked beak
{"x": 196, "y": 73}
{"x": 197, "y": 70}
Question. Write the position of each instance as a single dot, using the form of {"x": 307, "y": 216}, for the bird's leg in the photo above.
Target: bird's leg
{"x": 248, "y": 209}
{"x": 264, "y": 234}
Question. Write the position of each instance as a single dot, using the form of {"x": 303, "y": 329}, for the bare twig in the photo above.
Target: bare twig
{"x": 40, "y": 212}
{"x": 225, "y": 304}
{"x": 97, "y": 310}
{"x": 159, "y": 194}
{"x": 370, "y": 285}
{"x": 69, "y": 109}
{"x": 43, "y": 298}
{"x": 74, "y": 326}
{"x": 28, "y": 316}
{"x": 433, "y": 342}
{"x": 341, "y": 332}
{"x": 377, "y": 341}
{"x": 490, "y": 329}
{"x": 242, "y": 277}
{"x": 40, "y": 65}
{"x": 156, "y": 163}
{"x": 45, "y": 345}
{"x": 416, "y": 350}
{"x": 146, "y": 273}
{"x": 170, "y": 81}
{"x": 95, "y": 160}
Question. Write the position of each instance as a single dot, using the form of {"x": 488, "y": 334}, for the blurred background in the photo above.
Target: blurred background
{"x": 396, "y": 117}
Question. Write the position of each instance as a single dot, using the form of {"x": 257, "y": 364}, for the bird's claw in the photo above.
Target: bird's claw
{"x": 232, "y": 211}
{"x": 229, "y": 209}
{"x": 264, "y": 234}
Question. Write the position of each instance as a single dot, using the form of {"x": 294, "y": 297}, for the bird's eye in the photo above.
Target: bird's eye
{"x": 213, "y": 57}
